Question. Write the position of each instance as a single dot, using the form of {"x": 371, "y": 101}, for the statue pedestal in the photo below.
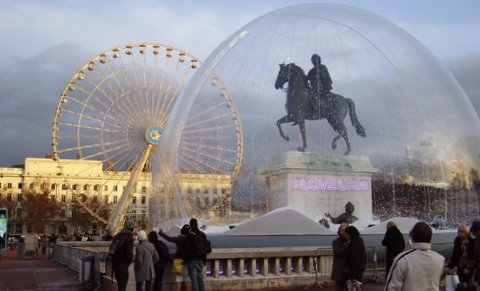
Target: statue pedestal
{"x": 316, "y": 184}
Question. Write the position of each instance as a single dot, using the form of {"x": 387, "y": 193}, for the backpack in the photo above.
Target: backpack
{"x": 117, "y": 243}
{"x": 201, "y": 246}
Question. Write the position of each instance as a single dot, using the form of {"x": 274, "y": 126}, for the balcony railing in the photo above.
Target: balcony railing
{"x": 233, "y": 269}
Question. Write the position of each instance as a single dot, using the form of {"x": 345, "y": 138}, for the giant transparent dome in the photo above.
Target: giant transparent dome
{"x": 421, "y": 130}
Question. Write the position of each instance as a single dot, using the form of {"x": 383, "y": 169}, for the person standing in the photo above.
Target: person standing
{"x": 196, "y": 261}
{"x": 419, "y": 268}
{"x": 473, "y": 268}
{"x": 123, "y": 255}
{"x": 394, "y": 242}
{"x": 339, "y": 248}
{"x": 356, "y": 260}
{"x": 462, "y": 254}
{"x": 145, "y": 258}
{"x": 162, "y": 251}
{"x": 183, "y": 245}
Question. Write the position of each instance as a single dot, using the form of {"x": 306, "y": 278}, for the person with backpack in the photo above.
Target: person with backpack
{"x": 164, "y": 255}
{"x": 197, "y": 258}
{"x": 121, "y": 254}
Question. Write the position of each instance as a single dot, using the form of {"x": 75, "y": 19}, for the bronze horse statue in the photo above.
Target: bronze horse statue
{"x": 333, "y": 107}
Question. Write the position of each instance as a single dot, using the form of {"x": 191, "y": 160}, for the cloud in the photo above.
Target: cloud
{"x": 30, "y": 90}
{"x": 466, "y": 70}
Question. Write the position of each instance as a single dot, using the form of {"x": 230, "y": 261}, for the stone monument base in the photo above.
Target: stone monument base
{"x": 316, "y": 184}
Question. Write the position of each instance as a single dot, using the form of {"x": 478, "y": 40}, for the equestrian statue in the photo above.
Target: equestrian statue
{"x": 309, "y": 98}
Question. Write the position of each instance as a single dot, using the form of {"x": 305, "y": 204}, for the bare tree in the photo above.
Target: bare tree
{"x": 38, "y": 209}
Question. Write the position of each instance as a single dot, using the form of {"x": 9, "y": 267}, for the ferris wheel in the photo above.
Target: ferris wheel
{"x": 115, "y": 109}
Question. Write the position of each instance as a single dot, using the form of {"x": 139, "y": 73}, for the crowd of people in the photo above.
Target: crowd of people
{"x": 151, "y": 256}
{"x": 417, "y": 267}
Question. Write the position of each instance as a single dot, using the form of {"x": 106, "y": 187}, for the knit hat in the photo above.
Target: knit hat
{"x": 129, "y": 224}
{"x": 142, "y": 235}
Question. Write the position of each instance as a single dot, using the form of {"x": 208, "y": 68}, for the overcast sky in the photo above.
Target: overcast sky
{"x": 44, "y": 42}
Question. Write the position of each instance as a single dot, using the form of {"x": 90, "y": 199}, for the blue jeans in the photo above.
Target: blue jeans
{"x": 195, "y": 271}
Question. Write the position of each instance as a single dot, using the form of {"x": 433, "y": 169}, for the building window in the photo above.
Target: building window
{"x": 9, "y": 185}
{"x": 144, "y": 200}
{"x": 205, "y": 191}
{"x": 95, "y": 199}
{"x": 144, "y": 214}
{"x": 19, "y": 197}
{"x": 134, "y": 200}
{"x": 62, "y": 213}
{"x": 9, "y": 196}
{"x": 53, "y": 186}
{"x": 31, "y": 186}
{"x": 64, "y": 187}
{"x": 74, "y": 187}
{"x": 20, "y": 185}
{"x": 85, "y": 187}
{"x": 115, "y": 199}
{"x": 105, "y": 188}
{"x": 64, "y": 198}
{"x": 95, "y": 187}
{"x": 52, "y": 198}
{"x": 115, "y": 188}
{"x": 144, "y": 189}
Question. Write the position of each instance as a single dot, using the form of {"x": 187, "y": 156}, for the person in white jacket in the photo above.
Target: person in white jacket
{"x": 419, "y": 268}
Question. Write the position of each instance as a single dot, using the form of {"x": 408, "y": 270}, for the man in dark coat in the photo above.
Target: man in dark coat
{"x": 394, "y": 242}
{"x": 356, "y": 257}
{"x": 339, "y": 248}
{"x": 195, "y": 263}
{"x": 124, "y": 256}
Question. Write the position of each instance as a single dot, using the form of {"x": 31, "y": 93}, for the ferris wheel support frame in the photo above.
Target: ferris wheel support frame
{"x": 115, "y": 222}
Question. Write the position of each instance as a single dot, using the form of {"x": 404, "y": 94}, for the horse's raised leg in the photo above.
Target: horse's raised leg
{"x": 342, "y": 132}
{"x": 279, "y": 125}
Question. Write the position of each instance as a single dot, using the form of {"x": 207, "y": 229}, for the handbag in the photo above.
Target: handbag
{"x": 178, "y": 266}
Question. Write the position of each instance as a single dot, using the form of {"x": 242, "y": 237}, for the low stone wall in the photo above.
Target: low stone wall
{"x": 226, "y": 269}
{"x": 231, "y": 268}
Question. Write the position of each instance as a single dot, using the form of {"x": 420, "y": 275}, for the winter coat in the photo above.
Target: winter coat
{"x": 339, "y": 248}
{"x": 356, "y": 259}
{"x": 146, "y": 256}
{"x": 419, "y": 268}
{"x": 124, "y": 255}
{"x": 458, "y": 252}
{"x": 182, "y": 242}
{"x": 394, "y": 243}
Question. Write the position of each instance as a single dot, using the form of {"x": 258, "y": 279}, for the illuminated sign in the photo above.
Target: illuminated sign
{"x": 3, "y": 226}
{"x": 331, "y": 184}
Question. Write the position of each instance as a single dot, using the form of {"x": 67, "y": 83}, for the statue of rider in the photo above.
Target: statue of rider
{"x": 319, "y": 82}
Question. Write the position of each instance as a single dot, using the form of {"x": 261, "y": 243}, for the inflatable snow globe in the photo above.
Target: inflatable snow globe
{"x": 401, "y": 110}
